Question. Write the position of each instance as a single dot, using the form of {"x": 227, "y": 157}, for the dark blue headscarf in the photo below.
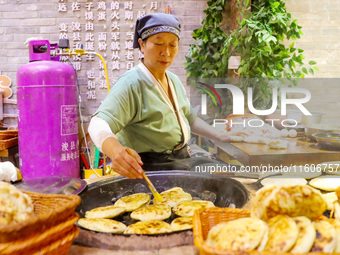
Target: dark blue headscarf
{"x": 151, "y": 24}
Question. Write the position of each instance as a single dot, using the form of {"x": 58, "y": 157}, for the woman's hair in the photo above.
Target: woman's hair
{"x": 144, "y": 41}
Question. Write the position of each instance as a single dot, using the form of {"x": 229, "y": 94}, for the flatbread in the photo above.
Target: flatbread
{"x": 102, "y": 225}
{"x": 291, "y": 200}
{"x": 106, "y": 212}
{"x": 283, "y": 234}
{"x": 258, "y": 200}
{"x": 187, "y": 208}
{"x": 336, "y": 224}
{"x": 278, "y": 144}
{"x": 327, "y": 182}
{"x": 325, "y": 240}
{"x": 148, "y": 227}
{"x": 182, "y": 223}
{"x": 238, "y": 235}
{"x": 282, "y": 180}
{"x": 152, "y": 212}
{"x": 306, "y": 235}
{"x": 133, "y": 202}
{"x": 173, "y": 197}
{"x": 330, "y": 198}
{"x": 15, "y": 206}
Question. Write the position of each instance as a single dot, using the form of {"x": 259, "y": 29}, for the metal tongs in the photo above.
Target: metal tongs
{"x": 150, "y": 185}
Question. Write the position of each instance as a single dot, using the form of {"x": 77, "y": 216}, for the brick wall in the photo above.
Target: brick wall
{"x": 22, "y": 19}
{"x": 320, "y": 21}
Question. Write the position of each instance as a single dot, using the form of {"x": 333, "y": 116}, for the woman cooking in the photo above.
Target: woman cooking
{"x": 147, "y": 107}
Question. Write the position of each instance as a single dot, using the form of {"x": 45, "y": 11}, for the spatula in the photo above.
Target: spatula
{"x": 151, "y": 186}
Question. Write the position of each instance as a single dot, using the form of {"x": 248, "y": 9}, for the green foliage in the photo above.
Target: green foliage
{"x": 205, "y": 58}
{"x": 260, "y": 42}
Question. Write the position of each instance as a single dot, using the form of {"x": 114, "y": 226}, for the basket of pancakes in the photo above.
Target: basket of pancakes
{"x": 283, "y": 219}
{"x": 34, "y": 223}
{"x": 149, "y": 217}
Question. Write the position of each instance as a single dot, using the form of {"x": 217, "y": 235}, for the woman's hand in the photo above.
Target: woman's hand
{"x": 122, "y": 162}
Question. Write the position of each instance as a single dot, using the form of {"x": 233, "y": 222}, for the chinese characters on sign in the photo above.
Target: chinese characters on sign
{"x": 104, "y": 27}
{"x": 69, "y": 150}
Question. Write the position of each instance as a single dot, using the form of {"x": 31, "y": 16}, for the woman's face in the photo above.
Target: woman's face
{"x": 160, "y": 51}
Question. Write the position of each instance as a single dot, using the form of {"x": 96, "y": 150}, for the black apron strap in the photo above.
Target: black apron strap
{"x": 177, "y": 160}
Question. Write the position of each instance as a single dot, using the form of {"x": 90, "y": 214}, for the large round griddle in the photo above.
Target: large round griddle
{"x": 223, "y": 190}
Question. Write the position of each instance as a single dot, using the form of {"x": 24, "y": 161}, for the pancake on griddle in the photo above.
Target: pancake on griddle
{"x": 182, "y": 223}
{"x": 283, "y": 234}
{"x": 325, "y": 240}
{"x": 173, "y": 197}
{"x": 102, "y": 225}
{"x": 326, "y": 182}
{"x": 282, "y": 180}
{"x": 187, "y": 208}
{"x": 291, "y": 200}
{"x": 152, "y": 212}
{"x": 148, "y": 227}
{"x": 133, "y": 202}
{"x": 332, "y": 167}
{"x": 306, "y": 235}
{"x": 238, "y": 235}
{"x": 106, "y": 212}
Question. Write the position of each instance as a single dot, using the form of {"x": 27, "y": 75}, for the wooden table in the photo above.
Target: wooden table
{"x": 299, "y": 152}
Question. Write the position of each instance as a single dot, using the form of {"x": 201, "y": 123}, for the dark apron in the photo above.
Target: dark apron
{"x": 177, "y": 160}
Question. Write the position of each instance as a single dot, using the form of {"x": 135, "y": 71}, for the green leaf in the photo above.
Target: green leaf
{"x": 312, "y": 62}
{"x": 304, "y": 70}
{"x": 216, "y": 56}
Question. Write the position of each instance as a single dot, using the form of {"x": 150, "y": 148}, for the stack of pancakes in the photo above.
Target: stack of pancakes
{"x": 284, "y": 218}
{"x": 150, "y": 217}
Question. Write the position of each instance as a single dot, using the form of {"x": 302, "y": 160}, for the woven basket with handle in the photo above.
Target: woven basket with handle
{"x": 205, "y": 219}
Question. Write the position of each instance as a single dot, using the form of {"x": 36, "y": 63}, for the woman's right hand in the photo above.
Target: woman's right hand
{"x": 122, "y": 162}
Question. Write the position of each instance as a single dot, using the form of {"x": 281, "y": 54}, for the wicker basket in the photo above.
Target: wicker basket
{"x": 41, "y": 243}
{"x": 8, "y": 143}
{"x": 51, "y": 225}
{"x": 7, "y": 134}
{"x": 205, "y": 219}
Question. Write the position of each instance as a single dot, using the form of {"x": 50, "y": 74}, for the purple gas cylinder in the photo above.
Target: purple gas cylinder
{"x": 47, "y": 115}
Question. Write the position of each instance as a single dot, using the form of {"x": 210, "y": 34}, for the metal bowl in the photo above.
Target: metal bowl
{"x": 328, "y": 140}
{"x": 310, "y": 130}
